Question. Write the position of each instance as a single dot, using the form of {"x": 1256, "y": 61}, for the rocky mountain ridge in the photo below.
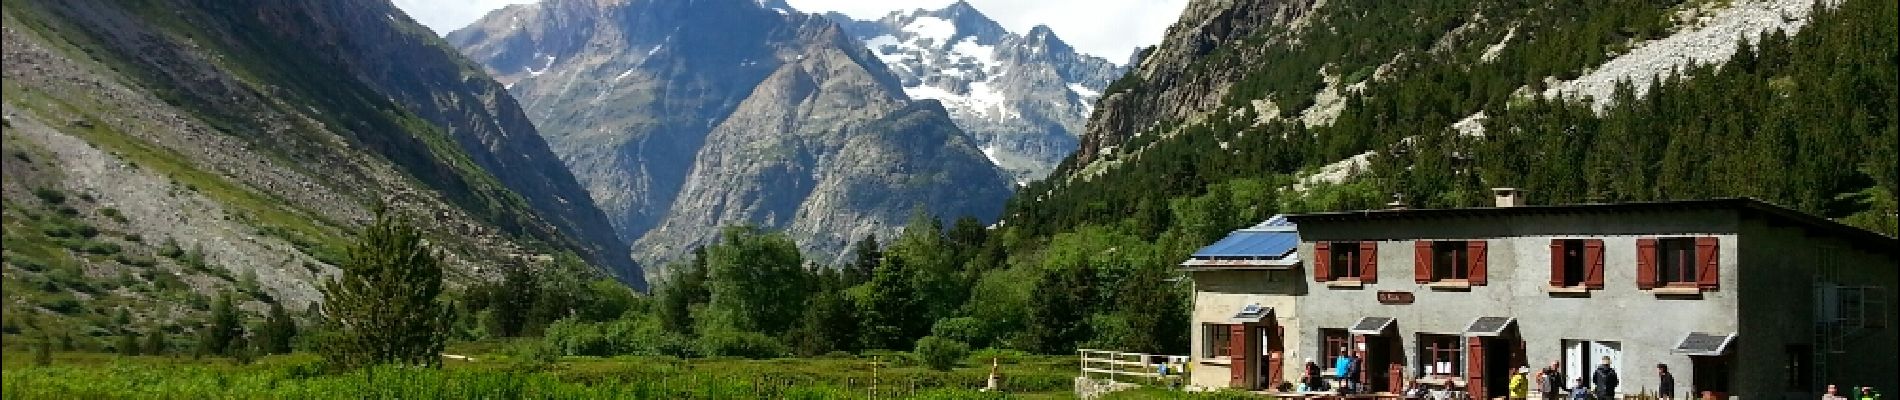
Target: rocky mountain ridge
{"x": 155, "y": 157}
{"x": 1024, "y": 97}
{"x": 683, "y": 117}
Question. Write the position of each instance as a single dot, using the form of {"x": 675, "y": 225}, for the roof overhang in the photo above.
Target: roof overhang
{"x": 1251, "y": 313}
{"x": 1218, "y": 264}
{"x": 1372, "y": 325}
{"x": 1704, "y": 344}
{"x": 1489, "y": 326}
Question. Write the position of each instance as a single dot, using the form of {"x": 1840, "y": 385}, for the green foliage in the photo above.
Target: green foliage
{"x": 155, "y": 343}
{"x": 128, "y": 344}
{"x": 684, "y": 287}
{"x": 279, "y": 331}
{"x": 386, "y": 306}
{"x": 962, "y": 329}
{"x": 224, "y": 327}
{"x": 941, "y": 353}
{"x": 741, "y": 344}
{"x": 756, "y": 281}
{"x": 50, "y": 196}
{"x": 1059, "y": 310}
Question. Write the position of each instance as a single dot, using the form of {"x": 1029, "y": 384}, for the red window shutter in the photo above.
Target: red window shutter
{"x": 1476, "y": 254}
{"x": 1369, "y": 262}
{"x": 1593, "y": 263}
{"x": 1395, "y": 374}
{"x": 1709, "y": 261}
{"x": 1237, "y": 353}
{"x": 1474, "y": 367}
{"x": 1422, "y": 261}
{"x": 1646, "y": 263}
{"x": 1556, "y": 263}
{"x": 1322, "y": 261}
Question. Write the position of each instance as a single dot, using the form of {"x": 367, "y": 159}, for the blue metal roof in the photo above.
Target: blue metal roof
{"x": 1275, "y": 238}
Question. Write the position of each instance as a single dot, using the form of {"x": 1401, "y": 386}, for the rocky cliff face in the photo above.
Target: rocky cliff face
{"x": 681, "y": 118}
{"x": 161, "y": 151}
{"x": 1176, "y": 80}
{"x": 1024, "y": 98}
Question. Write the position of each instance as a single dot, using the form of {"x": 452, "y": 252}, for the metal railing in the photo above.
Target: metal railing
{"x": 1111, "y": 364}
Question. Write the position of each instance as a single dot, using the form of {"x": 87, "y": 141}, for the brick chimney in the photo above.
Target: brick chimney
{"x": 1508, "y": 197}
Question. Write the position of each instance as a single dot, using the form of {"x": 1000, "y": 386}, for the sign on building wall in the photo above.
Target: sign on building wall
{"x": 1388, "y": 297}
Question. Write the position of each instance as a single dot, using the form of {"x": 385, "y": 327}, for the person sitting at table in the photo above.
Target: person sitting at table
{"x": 1416, "y": 391}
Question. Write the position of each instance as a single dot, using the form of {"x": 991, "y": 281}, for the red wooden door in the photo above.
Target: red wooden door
{"x": 1237, "y": 354}
{"x": 1474, "y": 368}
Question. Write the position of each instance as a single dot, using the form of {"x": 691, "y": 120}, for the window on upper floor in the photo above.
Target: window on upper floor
{"x": 1451, "y": 261}
{"x": 1678, "y": 262}
{"x": 1675, "y": 260}
{"x": 1345, "y": 261}
{"x": 1576, "y": 263}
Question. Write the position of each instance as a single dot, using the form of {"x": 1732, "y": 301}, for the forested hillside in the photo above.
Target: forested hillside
{"x": 1087, "y": 258}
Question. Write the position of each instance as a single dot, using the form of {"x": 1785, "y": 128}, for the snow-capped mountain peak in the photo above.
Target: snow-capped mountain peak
{"x": 1022, "y": 96}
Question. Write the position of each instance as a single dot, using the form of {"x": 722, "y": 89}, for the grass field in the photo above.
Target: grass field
{"x": 89, "y": 375}
{"x": 300, "y": 376}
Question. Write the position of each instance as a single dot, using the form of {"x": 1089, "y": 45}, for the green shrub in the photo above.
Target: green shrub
{"x": 742, "y": 344}
{"x": 50, "y": 196}
{"x": 62, "y": 303}
{"x": 963, "y": 329}
{"x": 941, "y": 353}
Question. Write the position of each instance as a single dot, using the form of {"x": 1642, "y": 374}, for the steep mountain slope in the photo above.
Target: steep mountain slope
{"x": 161, "y": 151}
{"x": 1023, "y": 97}
{"x": 1430, "y": 103}
{"x": 681, "y": 117}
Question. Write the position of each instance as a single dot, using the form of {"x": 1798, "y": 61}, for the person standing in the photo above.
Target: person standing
{"x": 1520, "y": 383}
{"x": 1666, "y": 388}
{"x": 1550, "y": 384}
{"x": 1604, "y": 379}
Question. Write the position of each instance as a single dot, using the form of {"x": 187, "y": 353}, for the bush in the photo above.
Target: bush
{"x": 941, "y": 353}
{"x": 741, "y": 344}
{"x": 963, "y": 329}
{"x": 50, "y": 196}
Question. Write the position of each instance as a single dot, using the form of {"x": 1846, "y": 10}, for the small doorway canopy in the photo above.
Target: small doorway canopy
{"x": 1371, "y": 325}
{"x": 1251, "y": 313}
{"x": 1489, "y": 326}
{"x": 1704, "y": 344}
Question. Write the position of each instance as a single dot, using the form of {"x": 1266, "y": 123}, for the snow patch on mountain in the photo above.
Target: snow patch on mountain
{"x": 547, "y": 62}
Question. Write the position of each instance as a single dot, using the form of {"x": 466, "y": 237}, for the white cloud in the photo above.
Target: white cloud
{"x": 1105, "y": 28}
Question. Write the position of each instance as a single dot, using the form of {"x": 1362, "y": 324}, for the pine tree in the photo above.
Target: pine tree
{"x": 225, "y": 326}
{"x": 386, "y": 306}
{"x": 155, "y": 343}
{"x": 128, "y": 343}
{"x": 279, "y": 330}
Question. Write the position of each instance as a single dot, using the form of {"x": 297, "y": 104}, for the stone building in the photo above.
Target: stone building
{"x": 1736, "y": 296}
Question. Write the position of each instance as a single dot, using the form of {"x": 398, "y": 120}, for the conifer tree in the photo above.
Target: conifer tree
{"x": 386, "y": 305}
{"x": 279, "y": 331}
